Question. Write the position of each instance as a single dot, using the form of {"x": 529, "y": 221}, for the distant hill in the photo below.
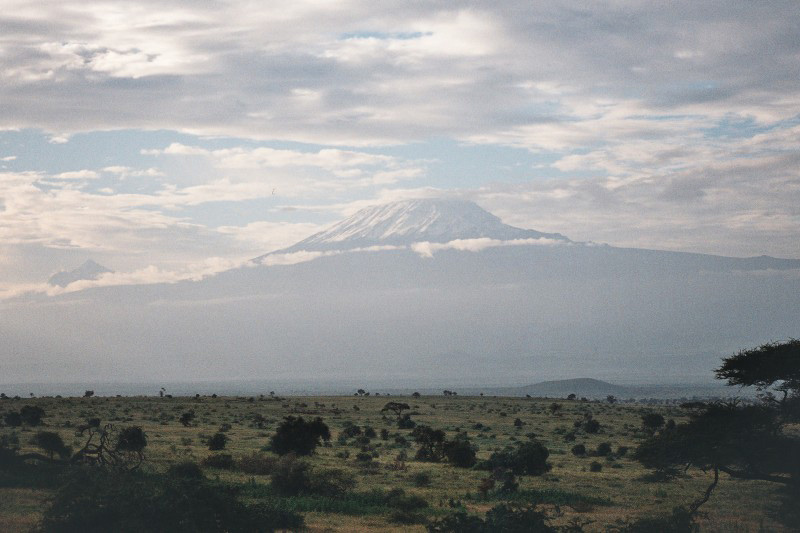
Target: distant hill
{"x": 588, "y": 387}
{"x": 595, "y": 388}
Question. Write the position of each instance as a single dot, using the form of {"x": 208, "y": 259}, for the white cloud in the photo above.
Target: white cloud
{"x": 428, "y": 249}
{"x": 77, "y": 175}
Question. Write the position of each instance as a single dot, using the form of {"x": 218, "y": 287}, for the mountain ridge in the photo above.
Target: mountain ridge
{"x": 406, "y": 222}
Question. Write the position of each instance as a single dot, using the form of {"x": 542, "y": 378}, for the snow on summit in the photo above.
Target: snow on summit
{"x": 410, "y": 221}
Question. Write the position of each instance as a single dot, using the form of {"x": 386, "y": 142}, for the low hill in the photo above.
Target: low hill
{"x": 588, "y": 387}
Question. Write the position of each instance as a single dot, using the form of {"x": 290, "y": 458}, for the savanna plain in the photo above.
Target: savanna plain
{"x": 383, "y": 463}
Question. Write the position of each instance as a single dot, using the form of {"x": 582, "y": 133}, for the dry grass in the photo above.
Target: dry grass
{"x": 735, "y": 505}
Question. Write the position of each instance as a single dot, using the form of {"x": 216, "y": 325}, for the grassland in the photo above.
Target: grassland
{"x": 597, "y": 500}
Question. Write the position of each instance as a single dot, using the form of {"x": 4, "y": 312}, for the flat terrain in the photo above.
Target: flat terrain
{"x": 570, "y": 490}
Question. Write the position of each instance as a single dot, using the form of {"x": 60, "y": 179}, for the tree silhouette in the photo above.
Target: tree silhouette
{"x": 295, "y": 435}
{"x": 743, "y": 441}
{"x": 396, "y": 407}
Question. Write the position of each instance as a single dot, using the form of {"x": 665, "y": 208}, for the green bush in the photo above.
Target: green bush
{"x": 12, "y": 419}
{"x": 603, "y": 449}
{"x": 223, "y": 461}
{"x": 528, "y": 458}
{"x": 186, "y": 470}
{"x": 295, "y": 435}
{"x": 51, "y": 443}
{"x": 256, "y": 463}
{"x": 460, "y": 452}
{"x": 292, "y": 476}
{"x": 217, "y": 442}
{"x": 32, "y": 415}
{"x": 680, "y": 521}
{"x": 502, "y": 518}
{"x": 95, "y": 501}
{"x": 421, "y": 479}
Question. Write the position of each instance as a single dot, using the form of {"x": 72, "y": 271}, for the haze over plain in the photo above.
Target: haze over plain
{"x": 172, "y": 142}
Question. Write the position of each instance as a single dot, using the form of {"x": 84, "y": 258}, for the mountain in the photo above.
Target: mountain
{"x": 520, "y": 309}
{"x": 89, "y": 270}
{"x": 411, "y": 221}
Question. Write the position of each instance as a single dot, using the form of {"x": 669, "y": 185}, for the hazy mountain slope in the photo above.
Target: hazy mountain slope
{"x": 505, "y": 314}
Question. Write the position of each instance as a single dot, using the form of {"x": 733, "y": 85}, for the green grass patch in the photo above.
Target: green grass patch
{"x": 353, "y": 503}
{"x": 549, "y": 496}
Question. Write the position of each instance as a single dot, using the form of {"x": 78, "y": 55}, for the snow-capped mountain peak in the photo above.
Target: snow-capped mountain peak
{"x": 89, "y": 270}
{"x": 409, "y": 221}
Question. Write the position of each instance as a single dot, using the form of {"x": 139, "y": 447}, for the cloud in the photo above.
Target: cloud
{"x": 77, "y": 175}
{"x": 375, "y": 74}
{"x": 428, "y": 249}
{"x": 663, "y": 125}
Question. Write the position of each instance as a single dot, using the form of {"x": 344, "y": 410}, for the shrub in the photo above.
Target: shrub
{"x": 131, "y": 439}
{"x": 460, "y": 452}
{"x": 590, "y": 425}
{"x": 505, "y": 518}
{"x": 405, "y": 422}
{"x": 295, "y": 435}
{"x": 12, "y": 419}
{"x": 330, "y": 482}
{"x": 223, "y": 461}
{"x": 350, "y": 430}
{"x": 430, "y": 441}
{"x": 510, "y": 518}
{"x": 421, "y": 479}
{"x": 186, "y": 470}
{"x": 405, "y": 506}
{"x": 595, "y": 467}
{"x": 95, "y": 501}
{"x": 680, "y": 521}
{"x": 529, "y": 458}
{"x": 459, "y": 522}
{"x": 186, "y": 418}
{"x": 579, "y": 450}
{"x": 32, "y": 415}
{"x": 290, "y": 476}
{"x": 256, "y": 464}
{"x": 603, "y": 449}
{"x": 51, "y": 443}
{"x": 217, "y": 442}
{"x": 652, "y": 421}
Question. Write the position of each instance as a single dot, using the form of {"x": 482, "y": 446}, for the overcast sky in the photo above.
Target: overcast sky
{"x": 183, "y": 137}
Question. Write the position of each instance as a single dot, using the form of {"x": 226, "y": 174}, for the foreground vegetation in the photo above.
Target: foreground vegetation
{"x": 373, "y": 462}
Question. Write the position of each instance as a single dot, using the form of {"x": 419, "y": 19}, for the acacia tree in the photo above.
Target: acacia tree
{"x": 772, "y": 365}
{"x": 106, "y": 446}
{"x": 743, "y": 441}
{"x": 397, "y": 408}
